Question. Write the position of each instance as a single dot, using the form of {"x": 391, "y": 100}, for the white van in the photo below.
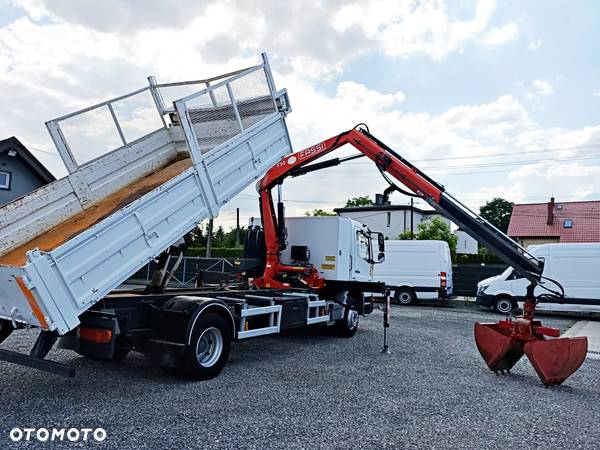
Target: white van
{"x": 575, "y": 266}
{"x": 416, "y": 270}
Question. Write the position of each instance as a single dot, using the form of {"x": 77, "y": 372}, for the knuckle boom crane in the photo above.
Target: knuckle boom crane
{"x": 501, "y": 344}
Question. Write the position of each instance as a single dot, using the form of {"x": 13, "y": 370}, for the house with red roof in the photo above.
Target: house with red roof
{"x": 551, "y": 222}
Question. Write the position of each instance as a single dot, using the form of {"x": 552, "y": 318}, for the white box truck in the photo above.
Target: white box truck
{"x": 416, "y": 270}
{"x": 574, "y": 266}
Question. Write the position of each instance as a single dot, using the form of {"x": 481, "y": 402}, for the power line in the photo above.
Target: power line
{"x": 37, "y": 149}
{"x": 471, "y": 198}
{"x": 483, "y": 165}
{"x": 523, "y": 152}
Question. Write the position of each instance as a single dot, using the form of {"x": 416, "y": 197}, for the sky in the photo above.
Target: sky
{"x": 490, "y": 98}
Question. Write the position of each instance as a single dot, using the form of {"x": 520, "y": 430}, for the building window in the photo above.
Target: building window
{"x": 5, "y": 180}
{"x": 568, "y": 223}
{"x": 389, "y": 219}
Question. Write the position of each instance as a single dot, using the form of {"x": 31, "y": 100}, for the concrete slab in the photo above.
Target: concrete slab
{"x": 591, "y": 330}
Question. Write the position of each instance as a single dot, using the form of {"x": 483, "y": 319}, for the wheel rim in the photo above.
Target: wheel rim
{"x": 209, "y": 347}
{"x": 352, "y": 319}
{"x": 405, "y": 298}
{"x": 504, "y": 306}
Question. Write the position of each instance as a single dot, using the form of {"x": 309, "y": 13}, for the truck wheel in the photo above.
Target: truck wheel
{"x": 123, "y": 346}
{"x": 348, "y": 325}
{"x": 504, "y": 305}
{"x": 209, "y": 349}
{"x": 405, "y": 296}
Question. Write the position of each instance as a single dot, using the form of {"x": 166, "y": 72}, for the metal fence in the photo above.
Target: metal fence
{"x": 187, "y": 272}
{"x": 466, "y": 276}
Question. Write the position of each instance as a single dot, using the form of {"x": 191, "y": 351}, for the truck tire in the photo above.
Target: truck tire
{"x": 405, "y": 296}
{"x": 348, "y": 325}
{"x": 208, "y": 351}
{"x": 123, "y": 346}
{"x": 505, "y": 304}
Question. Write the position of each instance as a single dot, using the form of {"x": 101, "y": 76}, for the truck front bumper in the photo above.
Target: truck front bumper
{"x": 485, "y": 300}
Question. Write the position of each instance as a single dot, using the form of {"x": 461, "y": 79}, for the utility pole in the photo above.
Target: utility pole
{"x": 237, "y": 227}
{"x": 209, "y": 235}
{"x": 411, "y": 218}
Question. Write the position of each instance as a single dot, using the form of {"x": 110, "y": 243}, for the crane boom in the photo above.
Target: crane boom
{"x": 501, "y": 344}
{"x": 389, "y": 162}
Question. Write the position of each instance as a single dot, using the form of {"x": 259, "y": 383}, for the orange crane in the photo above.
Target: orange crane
{"x": 501, "y": 344}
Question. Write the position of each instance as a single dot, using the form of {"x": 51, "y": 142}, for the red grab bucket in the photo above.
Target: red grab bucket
{"x": 502, "y": 344}
{"x": 555, "y": 360}
{"x": 498, "y": 350}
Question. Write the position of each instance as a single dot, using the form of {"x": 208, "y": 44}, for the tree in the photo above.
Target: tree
{"x": 198, "y": 237}
{"x": 219, "y": 237}
{"x": 358, "y": 201}
{"x": 405, "y": 236}
{"x": 319, "y": 212}
{"x": 497, "y": 211}
{"x": 230, "y": 237}
{"x": 437, "y": 230}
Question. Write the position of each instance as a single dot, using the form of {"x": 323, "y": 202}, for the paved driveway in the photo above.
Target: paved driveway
{"x": 310, "y": 390}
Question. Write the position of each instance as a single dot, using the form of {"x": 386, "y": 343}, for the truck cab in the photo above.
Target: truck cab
{"x": 340, "y": 248}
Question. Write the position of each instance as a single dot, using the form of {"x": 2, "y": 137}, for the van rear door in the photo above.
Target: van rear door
{"x": 446, "y": 267}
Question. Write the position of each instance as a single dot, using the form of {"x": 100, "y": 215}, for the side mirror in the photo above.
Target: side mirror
{"x": 381, "y": 257}
{"x": 381, "y": 242}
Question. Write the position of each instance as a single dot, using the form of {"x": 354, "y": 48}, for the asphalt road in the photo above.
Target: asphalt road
{"x": 309, "y": 390}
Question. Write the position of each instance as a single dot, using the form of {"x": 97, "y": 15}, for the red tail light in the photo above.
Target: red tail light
{"x": 97, "y": 335}
{"x": 443, "y": 280}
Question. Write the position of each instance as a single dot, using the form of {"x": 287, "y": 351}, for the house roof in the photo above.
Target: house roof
{"x": 530, "y": 220}
{"x": 36, "y": 167}
{"x": 382, "y": 208}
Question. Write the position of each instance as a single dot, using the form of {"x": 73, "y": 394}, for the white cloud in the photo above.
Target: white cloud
{"x": 408, "y": 28}
{"x": 72, "y": 58}
{"x": 597, "y": 93}
{"x": 542, "y": 87}
{"x": 500, "y": 35}
{"x": 447, "y": 146}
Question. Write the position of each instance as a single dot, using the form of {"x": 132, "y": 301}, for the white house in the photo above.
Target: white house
{"x": 393, "y": 220}
{"x": 466, "y": 245}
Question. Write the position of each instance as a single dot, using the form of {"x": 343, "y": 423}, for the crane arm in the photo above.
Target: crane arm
{"x": 391, "y": 163}
{"x": 501, "y": 344}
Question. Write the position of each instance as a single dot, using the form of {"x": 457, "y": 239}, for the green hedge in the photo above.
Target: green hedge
{"x": 217, "y": 252}
{"x": 487, "y": 258}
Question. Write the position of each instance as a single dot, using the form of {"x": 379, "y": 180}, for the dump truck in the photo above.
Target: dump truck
{"x": 129, "y": 196}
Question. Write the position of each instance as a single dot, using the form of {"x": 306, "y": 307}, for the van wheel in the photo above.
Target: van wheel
{"x": 405, "y": 296}
{"x": 348, "y": 325}
{"x": 208, "y": 351}
{"x": 505, "y": 305}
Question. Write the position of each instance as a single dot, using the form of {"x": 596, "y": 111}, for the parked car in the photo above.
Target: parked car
{"x": 574, "y": 266}
{"x": 416, "y": 270}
